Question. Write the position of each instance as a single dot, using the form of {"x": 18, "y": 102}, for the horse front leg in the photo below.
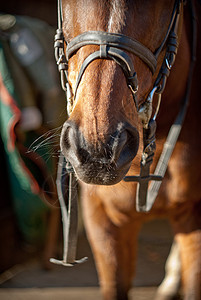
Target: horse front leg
{"x": 190, "y": 249}
{"x": 188, "y": 238}
{"x": 170, "y": 286}
{"x": 114, "y": 250}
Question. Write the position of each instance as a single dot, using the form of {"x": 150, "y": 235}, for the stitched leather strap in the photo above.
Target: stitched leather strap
{"x": 119, "y": 41}
{"x": 119, "y": 56}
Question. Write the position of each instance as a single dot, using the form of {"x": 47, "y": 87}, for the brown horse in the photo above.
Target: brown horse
{"x": 103, "y": 136}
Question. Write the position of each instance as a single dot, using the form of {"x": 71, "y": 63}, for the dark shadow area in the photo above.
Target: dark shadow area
{"x": 154, "y": 245}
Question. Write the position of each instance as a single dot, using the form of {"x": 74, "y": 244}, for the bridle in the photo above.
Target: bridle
{"x": 113, "y": 46}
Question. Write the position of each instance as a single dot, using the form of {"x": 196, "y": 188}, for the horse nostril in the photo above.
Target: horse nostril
{"x": 64, "y": 140}
{"x": 125, "y": 141}
{"x": 69, "y": 140}
{"x": 118, "y": 142}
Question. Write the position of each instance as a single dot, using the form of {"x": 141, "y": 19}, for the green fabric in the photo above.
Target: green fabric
{"x": 31, "y": 79}
{"x": 31, "y": 211}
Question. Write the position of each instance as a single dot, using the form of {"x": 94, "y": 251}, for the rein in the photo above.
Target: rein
{"x": 145, "y": 197}
{"x": 113, "y": 47}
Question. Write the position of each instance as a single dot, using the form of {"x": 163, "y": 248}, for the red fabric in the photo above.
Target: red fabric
{"x": 8, "y": 100}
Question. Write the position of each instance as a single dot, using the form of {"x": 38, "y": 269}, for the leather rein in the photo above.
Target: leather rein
{"x": 113, "y": 46}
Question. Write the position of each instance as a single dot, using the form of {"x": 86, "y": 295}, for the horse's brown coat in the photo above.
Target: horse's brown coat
{"x": 102, "y": 101}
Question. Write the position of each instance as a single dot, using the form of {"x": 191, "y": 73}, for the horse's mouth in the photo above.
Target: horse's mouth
{"x": 103, "y": 165}
{"x": 101, "y": 173}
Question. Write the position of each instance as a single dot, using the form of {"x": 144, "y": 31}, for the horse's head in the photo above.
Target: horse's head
{"x": 101, "y": 137}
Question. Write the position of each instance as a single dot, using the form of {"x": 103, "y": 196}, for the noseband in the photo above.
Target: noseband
{"x": 113, "y": 46}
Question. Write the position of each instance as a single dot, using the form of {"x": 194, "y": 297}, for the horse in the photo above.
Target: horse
{"x": 115, "y": 51}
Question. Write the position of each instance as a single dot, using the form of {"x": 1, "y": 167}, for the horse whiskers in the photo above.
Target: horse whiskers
{"x": 47, "y": 134}
{"x": 44, "y": 145}
{"x": 50, "y": 138}
{"x": 48, "y": 155}
{"x": 45, "y": 142}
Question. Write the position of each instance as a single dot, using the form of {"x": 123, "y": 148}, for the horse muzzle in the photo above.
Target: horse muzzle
{"x": 103, "y": 163}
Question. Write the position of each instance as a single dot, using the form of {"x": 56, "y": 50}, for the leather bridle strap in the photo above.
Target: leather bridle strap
{"x": 120, "y": 57}
{"x": 145, "y": 197}
{"x": 114, "y": 40}
{"x": 177, "y": 126}
{"x": 65, "y": 174}
{"x": 69, "y": 211}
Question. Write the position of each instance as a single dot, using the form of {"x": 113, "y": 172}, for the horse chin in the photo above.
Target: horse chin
{"x": 107, "y": 175}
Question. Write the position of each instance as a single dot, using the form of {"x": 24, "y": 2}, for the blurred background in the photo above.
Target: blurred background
{"x": 32, "y": 110}
{"x": 45, "y": 10}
